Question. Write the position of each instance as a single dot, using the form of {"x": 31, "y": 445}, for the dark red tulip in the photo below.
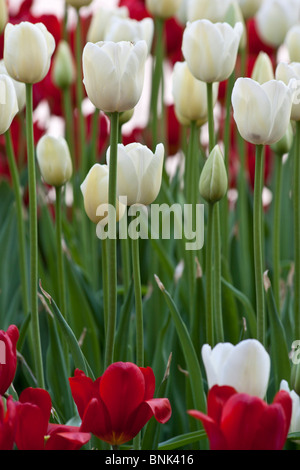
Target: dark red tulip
{"x": 238, "y": 421}
{"x": 117, "y": 405}
{"x": 35, "y": 432}
{"x": 7, "y": 423}
{"x": 8, "y": 357}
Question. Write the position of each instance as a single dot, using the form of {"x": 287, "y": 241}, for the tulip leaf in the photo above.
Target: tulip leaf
{"x": 182, "y": 440}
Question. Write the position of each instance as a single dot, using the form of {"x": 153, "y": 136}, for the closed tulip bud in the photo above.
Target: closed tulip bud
{"x": 125, "y": 116}
{"x": 290, "y": 73}
{"x": 78, "y": 3}
{"x": 213, "y": 180}
{"x": 114, "y": 74}
{"x": 3, "y": 15}
{"x": 275, "y": 18}
{"x": 210, "y": 49}
{"x": 234, "y": 15}
{"x": 262, "y": 112}
{"x": 8, "y": 357}
{"x": 20, "y": 88}
{"x": 292, "y": 42}
{"x": 54, "y": 160}
{"x": 190, "y": 95}
{"x": 163, "y": 8}
{"x": 27, "y": 51}
{"x": 8, "y": 102}
{"x": 249, "y": 7}
{"x": 128, "y": 29}
{"x": 284, "y": 145}
{"x": 212, "y": 10}
{"x": 63, "y": 71}
{"x": 244, "y": 366}
{"x": 101, "y": 20}
{"x": 139, "y": 172}
{"x": 263, "y": 69}
{"x": 95, "y": 194}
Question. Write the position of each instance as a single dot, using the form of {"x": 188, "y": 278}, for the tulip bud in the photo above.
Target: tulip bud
{"x": 290, "y": 74}
{"x": 3, "y": 15}
{"x": 139, "y": 172}
{"x": 249, "y": 7}
{"x": 78, "y": 3}
{"x": 262, "y": 112}
{"x": 292, "y": 42}
{"x": 213, "y": 180}
{"x": 212, "y": 10}
{"x": 63, "y": 66}
{"x": 114, "y": 74}
{"x": 95, "y": 194}
{"x": 27, "y": 51}
{"x": 210, "y": 49}
{"x": 54, "y": 160}
{"x": 263, "y": 69}
{"x": 8, "y": 102}
{"x": 128, "y": 29}
{"x": 125, "y": 116}
{"x": 244, "y": 366}
{"x": 8, "y": 357}
{"x": 163, "y": 8}
{"x": 275, "y": 18}
{"x": 190, "y": 95}
{"x": 284, "y": 145}
{"x": 234, "y": 15}
{"x": 101, "y": 20}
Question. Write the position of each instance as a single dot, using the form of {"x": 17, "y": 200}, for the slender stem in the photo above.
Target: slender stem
{"x": 112, "y": 245}
{"x": 138, "y": 303}
{"x": 20, "y": 220}
{"x": 276, "y": 229}
{"x": 105, "y": 288}
{"x": 257, "y": 240}
{"x": 210, "y": 109}
{"x": 209, "y": 277}
{"x": 217, "y": 276}
{"x": 33, "y": 239}
{"x": 68, "y": 112}
{"x": 79, "y": 94}
{"x": 60, "y": 259}
{"x": 157, "y": 78}
{"x": 297, "y": 232}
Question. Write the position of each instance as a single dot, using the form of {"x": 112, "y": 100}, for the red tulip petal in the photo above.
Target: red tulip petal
{"x": 83, "y": 390}
{"x": 240, "y": 420}
{"x": 160, "y": 408}
{"x": 283, "y": 398}
{"x": 122, "y": 390}
{"x": 217, "y": 397}
{"x": 216, "y": 438}
{"x": 62, "y": 437}
{"x": 149, "y": 382}
{"x": 31, "y": 427}
{"x": 7, "y": 424}
{"x": 40, "y": 398}
{"x": 96, "y": 420}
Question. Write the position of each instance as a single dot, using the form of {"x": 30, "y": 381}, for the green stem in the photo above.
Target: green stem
{"x": 157, "y": 78}
{"x": 79, "y": 94}
{"x": 104, "y": 281}
{"x": 210, "y": 110}
{"x": 20, "y": 220}
{"x": 112, "y": 245}
{"x": 217, "y": 276}
{"x": 60, "y": 259}
{"x": 138, "y": 303}
{"x": 33, "y": 239}
{"x": 276, "y": 229}
{"x": 209, "y": 277}
{"x": 257, "y": 239}
{"x": 297, "y": 232}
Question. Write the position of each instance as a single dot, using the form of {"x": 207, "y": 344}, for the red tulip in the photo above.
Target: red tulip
{"x": 7, "y": 424}
{"x": 8, "y": 356}
{"x": 34, "y": 432}
{"x": 238, "y": 421}
{"x": 117, "y": 405}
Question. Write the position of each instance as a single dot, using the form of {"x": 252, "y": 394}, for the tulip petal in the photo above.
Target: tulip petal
{"x": 217, "y": 397}
{"x": 38, "y": 397}
{"x": 217, "y": 440}
{"x": 213, "y": 360}
{"x": 62, "y": 437}
{"x": 83, "y": 390}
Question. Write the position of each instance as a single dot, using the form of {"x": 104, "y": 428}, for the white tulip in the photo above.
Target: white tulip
{"x": 163, "y": 8}
{"x": 27, "y": 51}
{"x": 139, "y": 172}
{"x": 54, "y": 160}
{"x": 275, "y": 18}
{"x": 114, "y": 74}
{"x": 64, "y": 69}
{"x": 213, "y": 181}
{"x": 212, "y": 10}
{"x": 19, "y": 87}
{"x": 295, "y": 420}
{"x": 101, "y": 20}
{"x": 263, "y": 69}
{"x": 262, "y": 112}
{"x": 286, "y": 73}
{"x": 128, "y": 29}
{"x": 250, "y": 7}
{"x": 210, "y": 49}
{"x": 292, "y": 42}
{"x": 8, "y": 102}
{"x": 244, "y": 366}
{"x": 95, "y": 195}
{"x": 190, "y": 95}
